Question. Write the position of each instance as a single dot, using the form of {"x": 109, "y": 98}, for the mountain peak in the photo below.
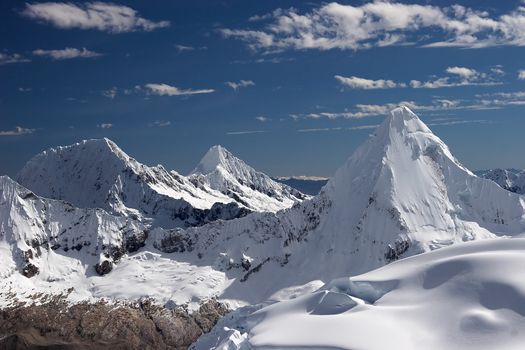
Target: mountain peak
{"x": 217, "y": 155}
{"x": 404, "y": 120}
{"x": 224, "y": 172}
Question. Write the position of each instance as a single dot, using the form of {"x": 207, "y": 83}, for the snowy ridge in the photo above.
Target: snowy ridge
{"x": 224, "y": 172}
{"x": 98, "y": 174}
{"x": 509, "y": 179}
{"x": 460, "y": 297}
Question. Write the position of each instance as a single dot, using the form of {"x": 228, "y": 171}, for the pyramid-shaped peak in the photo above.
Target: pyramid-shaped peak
{"x": 216, "y": 156}
{"x": 404, "y": 120}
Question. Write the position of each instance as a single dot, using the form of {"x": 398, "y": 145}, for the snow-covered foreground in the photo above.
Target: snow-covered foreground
{"x": 467, "y": 296}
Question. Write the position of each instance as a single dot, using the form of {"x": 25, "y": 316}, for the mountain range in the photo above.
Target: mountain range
{"x": 87, "y": 221}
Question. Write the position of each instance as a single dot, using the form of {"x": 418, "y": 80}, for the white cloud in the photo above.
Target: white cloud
{"x": 241, "y": 84}
{"x": 381, "y": 23}
{"x": 67, "y": 53}
{"x": 105, "y": 126}
{"x": 463, "y": 72}
{"x": 102, "y": 16}
{"x": 182, "y": 48}
{"x": 497, "y": 70}
{"x": 262, "y": 119}
{"x": 364, "y": 127}
{"x": 110, "y": 93}
{"x": 362, "y": 83}
{"x": 6, "y": 58}
{"x": 24, "y": 89}
{"x": 245, "y": 132}
{"x": 17, "y": 131}
{"x": 460, "y": 76}
{"x": 459, "y": 122}
{"x": 160, "y": 123}
{"x": 168, "y": 90}
{"x": 521, "y": 74}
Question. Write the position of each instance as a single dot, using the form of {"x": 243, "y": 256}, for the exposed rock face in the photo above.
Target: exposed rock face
{"x": 57, "y": 325}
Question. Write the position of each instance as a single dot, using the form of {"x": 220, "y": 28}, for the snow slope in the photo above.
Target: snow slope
{"x": 98, "y": 174}
{"x": 468, "y": 296}
{"x": 224, "y": 172}
{"x": 510, "y": 179}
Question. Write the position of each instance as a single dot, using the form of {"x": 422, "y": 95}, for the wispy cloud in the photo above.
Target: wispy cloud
{"x": 168, "y": 90}
{"x": 262, "y": 119}
{"x": 437, "y": 105}
{"x": 245, "y": 132}
{"x": 318, "y": 129}
{"x": 105, "y": 126}
{"x": 367, "y": 84}
{"x": 7, "y": 58}
{"x": 457, "y": 76}
{"x": 381, "y": 23}
{"x": 67, "y": 53}
{"x": 240, "y": 84}
{"x": 359, "y": 127}
{"x": 17, "y": 131}
{"x": 160, "y": 123}
{"x": 110, "y": 93}
{"x": 102, "y": 16}
{"x": 187, "y": 48}
{"x": 462, "y": 76}
{"x": 521, "y": 74}
{"x": 182, "y": 48}
{"x": 364, "y": 127}
{"x": 459, "y": 122}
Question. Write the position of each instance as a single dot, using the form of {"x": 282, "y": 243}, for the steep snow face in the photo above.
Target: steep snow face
{"x": 404, "y": 188}
{"x": 98, "y": 174}
{"x": 511, "y": 180}
{"x": 469, "y": 296}
{"x": 38, "y": 235}
{"x": 224, "y": 172}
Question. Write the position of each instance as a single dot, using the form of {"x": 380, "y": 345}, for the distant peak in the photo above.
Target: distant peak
{"x": 216, "y": 155}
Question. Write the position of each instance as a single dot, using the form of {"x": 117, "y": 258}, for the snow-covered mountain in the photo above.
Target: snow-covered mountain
{"x": 224, "y": 172}
{"x": 510, "y": 179}
{"x": 98, "y": 174}
{"x": 401, "y": 193}
{"x": 38, "y": 235}
{"x": 468, "y": 296}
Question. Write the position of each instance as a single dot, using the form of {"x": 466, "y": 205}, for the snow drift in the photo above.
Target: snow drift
{"x": 468, "y": 296}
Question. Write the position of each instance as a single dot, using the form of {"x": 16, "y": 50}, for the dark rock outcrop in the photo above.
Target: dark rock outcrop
{"x": 143, "y": 325}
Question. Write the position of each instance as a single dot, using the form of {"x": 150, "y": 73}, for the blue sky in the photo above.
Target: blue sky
{"x": 290, "y": 87}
